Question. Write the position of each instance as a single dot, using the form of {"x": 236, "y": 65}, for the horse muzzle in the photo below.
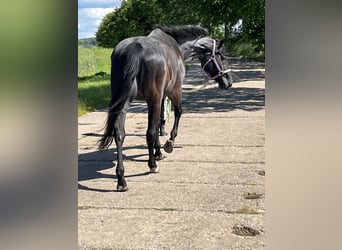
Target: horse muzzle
{"x": 226, "y": 81}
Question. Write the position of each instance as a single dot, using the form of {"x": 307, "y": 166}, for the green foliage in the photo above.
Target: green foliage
{"x": 253, "y": 24}
{"x": 133, "y": 18}
{"x": 108, "y": 33}
{"x": 175, "y": 12}
{"x": 246, "y": 50}
{"x": 138, "y": 17}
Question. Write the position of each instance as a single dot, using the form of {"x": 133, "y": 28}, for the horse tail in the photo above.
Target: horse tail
{"x": 124, "y": 70}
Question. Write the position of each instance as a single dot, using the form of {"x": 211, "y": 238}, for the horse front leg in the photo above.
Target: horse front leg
{"x": 162, "y": 131}
{"x": 177, "y": 104}
{"x": 158, "y": 154}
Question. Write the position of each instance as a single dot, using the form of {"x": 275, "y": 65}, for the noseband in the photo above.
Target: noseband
{"x": 221, "y": 72}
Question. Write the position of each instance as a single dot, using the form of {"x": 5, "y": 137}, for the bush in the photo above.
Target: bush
{"x": 246, "y": 50}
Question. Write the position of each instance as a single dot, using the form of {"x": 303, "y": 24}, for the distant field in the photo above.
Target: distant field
{"x": 93, "y": 60}
{"x": 93, "y": 78}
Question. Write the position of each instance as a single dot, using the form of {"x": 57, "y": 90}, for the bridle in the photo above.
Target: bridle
{"x": 221, "y": 72}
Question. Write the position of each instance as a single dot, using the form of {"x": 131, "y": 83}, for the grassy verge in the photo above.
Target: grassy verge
{"x": 93, "y": 78}
{"x": 93, "y": 60}
{"x": 93, "y": 95}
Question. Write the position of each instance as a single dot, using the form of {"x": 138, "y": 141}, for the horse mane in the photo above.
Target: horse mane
{"x": 180, "y": 33}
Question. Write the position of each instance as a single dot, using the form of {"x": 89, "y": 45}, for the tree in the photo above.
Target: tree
{"x": 138, "y": 17}
{"x": 253, "y": 22}
{"x": 107, "y": 35}
{"x": 133, "y": 18}
{"x": 177, "y": 12}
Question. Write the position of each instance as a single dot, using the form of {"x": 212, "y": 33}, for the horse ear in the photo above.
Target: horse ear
{"x": 221, "y": 42}
{"x": 198, "y": 49}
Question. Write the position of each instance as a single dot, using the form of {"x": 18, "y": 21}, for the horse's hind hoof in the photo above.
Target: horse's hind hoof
{"x": 168, "y": 146}
{"x": 154, "y": 170}
{"x": 159, "y": 157}
{"x": 121, "y": 188}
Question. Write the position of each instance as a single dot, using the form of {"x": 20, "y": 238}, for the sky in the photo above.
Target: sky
{"x": 90, "y": 14}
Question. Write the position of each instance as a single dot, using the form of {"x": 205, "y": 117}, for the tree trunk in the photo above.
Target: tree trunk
{"x": 226, "y": 31}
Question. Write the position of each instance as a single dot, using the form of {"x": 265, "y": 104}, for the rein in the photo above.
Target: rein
{"x": 221, "y": 72}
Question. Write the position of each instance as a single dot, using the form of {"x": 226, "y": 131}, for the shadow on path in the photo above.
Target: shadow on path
{"x": 218, "y": 100}
{"x": 90, "y": 165}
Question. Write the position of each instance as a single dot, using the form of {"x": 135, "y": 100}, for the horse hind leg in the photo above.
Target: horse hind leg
{"x": 152, "y": 135}
{"x": 119, "y": 127}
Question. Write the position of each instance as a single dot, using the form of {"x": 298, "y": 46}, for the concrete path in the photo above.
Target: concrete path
{"x": 209, "y": 193}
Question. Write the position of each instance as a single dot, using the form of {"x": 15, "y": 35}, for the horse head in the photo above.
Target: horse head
{"x": 213, "y": 61}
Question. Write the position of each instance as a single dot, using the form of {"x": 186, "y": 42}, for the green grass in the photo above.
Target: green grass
{"x": 93, "y": 60}
{"x": 93, "y": 95}
{"x": 93, "y": 78}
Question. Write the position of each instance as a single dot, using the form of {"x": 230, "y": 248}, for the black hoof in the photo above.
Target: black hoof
{"x": 168, "y": 146}
{"x": 121, "y": 188}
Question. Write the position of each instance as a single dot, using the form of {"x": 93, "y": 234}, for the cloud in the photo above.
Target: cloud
{"x": 98, "y": 3}
{"x": 93, "y": 13}
{"x": 90, "y": 14}
{"x": 89, "y": 19}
